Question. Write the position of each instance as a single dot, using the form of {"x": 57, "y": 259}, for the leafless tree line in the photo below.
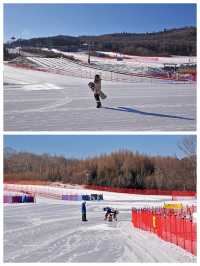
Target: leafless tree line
{"x": 122, "y": 168}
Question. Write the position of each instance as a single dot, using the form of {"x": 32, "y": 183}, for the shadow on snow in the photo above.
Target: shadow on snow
{"x": 131, "y": 110}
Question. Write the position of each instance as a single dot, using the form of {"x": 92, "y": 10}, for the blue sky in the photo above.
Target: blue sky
{"x": 82, "y": 146}
{"x": 33, "y": 20}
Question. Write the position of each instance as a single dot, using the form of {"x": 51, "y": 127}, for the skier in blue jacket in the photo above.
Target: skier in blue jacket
{"x": 83, "y": 210}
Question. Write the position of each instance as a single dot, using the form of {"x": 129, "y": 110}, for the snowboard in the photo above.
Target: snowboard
{"x": 102, "y": 95}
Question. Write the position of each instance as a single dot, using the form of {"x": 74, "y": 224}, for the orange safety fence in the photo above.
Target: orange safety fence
{"x": 175, "y": 226}
{"x": 153, "y": 75}
{"x": 143, "y": 191}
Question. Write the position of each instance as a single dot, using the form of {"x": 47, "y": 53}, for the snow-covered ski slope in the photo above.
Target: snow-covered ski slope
{"x": 108, "y": 72}
{"x": 111, "y": 70}
{"x": 52, "y": 231}
{"x": 131, "y": 60}
{"x": 42, "y": 101}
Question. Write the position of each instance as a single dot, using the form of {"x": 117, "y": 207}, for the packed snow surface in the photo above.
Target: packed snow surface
{"x": 151, "y": 61}
{"x": 41, "y": 101}
{"x": 52, "y": 231}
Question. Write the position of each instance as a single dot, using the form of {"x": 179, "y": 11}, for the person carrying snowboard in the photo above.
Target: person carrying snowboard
{"x": 83, "y": 210}
{"x": 96, "y": 88}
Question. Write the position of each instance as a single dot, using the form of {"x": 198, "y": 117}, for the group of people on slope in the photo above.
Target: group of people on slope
{"x": 110, "y": 215}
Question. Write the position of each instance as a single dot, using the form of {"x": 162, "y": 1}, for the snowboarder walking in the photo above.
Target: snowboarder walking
{"x": 83, "y": 210}
{"x": 96, "y": 89}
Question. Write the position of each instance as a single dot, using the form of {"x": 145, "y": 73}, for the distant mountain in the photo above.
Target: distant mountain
{"x": 181, "y": 41}
{"x": 8, "y": 152}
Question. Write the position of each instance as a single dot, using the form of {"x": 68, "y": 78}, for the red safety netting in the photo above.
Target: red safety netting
{"x": 143, "y": 191}
{"x": 175, "y": 226}
{"x": 178, "y": 195}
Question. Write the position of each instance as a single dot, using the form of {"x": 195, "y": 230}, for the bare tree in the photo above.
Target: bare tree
{"x": 119, "y": 169}
{"x": 188, "y": 146}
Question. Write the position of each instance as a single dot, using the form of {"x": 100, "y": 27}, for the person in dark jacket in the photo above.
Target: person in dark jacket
{"x": 108, "y": 212}
{"x": 97, "y": 90}
{"x": 83, "y": 210}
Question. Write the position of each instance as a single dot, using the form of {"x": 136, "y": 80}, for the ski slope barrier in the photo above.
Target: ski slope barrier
{"x": 183, "y": 195}
{"x": 53, "y": 192}
{"x": 174, "y": 194}
{"x": 174, "y": 226}
{"x": 17, "y": 197}
{"x": 110, "y": 73}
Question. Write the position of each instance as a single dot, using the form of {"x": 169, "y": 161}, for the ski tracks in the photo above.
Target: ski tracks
{"x": 149, "y": 248}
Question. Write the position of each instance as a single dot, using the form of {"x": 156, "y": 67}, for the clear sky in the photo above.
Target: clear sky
{"x": 82, "y": 146}
{"x": 34, "y": 20}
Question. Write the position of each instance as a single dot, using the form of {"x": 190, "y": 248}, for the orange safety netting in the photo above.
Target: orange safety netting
{"x": 175, "y": 226}
{"x": 143, "y": 191}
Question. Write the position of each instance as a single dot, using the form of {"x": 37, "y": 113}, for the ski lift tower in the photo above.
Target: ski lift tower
{"x": 89, "y": 52}
{"x": 20, "y": 47}
{"x": 88, "y": 45}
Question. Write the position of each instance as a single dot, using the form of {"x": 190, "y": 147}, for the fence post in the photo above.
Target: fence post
{"x": 135, "y": 218}
{"x": 165, "y": 221}
{"x": 191, "y": 234}
{"x": 176, "y": 233}
{"x": 170, "y": 227}
{"x": 140, "y": 218}
{"x": 150, "y": 220}
{"x": 184, "y": 231}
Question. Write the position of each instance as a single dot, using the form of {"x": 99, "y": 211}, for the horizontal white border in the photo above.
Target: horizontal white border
{"x": 99, "y": 133}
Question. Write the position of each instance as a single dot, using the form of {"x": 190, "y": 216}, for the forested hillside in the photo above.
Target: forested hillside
{"x": 118, "y": 169}
{"x": 180, "y": 41}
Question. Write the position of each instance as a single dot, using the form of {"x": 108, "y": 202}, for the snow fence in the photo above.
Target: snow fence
{"x": 83, "y": 197}
{"x": 185, "y": 194}
{"x": 53, "y": 192}
{"x": 115, "y": 73}
{"x": 175, "y": 226}
{"x": 18, "y": 198}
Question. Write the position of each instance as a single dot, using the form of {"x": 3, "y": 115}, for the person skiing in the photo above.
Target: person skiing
{"x": 83, "y": 210}
{"x": 108, "y": 212}
{"x": 97, "y": 90}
